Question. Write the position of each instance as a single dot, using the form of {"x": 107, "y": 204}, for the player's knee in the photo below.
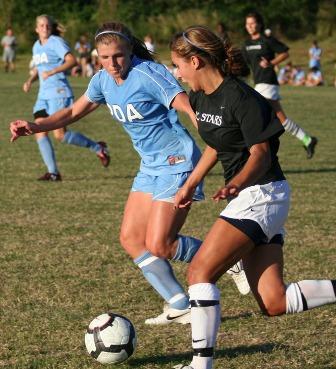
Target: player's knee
{"x": 275, "y": 303}
{"x": 198, "y": 274}
{"x": 131, "y": 240}
{"x": 59, "y": 136}
{"x": 126, "y": 239}
{"x": 159, "y": 249}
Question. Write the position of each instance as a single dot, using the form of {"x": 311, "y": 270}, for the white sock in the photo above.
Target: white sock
{"x": 294, "y": 129}
{"x": 306, "y": 295}
{"x": 205, "y": 321}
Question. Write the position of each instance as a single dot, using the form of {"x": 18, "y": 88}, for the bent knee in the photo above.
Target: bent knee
{"x": 199, "y": 274}
{"x": 159, "y": 249}
{"x": 59, "y": 136}
{"x": 275, "y": 304}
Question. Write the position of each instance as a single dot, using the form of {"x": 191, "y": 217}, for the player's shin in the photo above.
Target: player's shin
{"x": 160, "y": 275}
{"x": 205, "y": 321}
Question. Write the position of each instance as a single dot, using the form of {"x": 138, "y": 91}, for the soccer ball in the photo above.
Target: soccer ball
{"x": 110, "y": 338}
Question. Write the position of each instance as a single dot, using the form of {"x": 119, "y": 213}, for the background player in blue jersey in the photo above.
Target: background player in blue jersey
{"x": 263, "y": 53}
{"x": 242, "y": 128}
{"x": 52, "y": 58}
{"x": 142, "y": 95}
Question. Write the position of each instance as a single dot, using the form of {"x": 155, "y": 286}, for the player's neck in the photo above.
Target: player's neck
{"x": 211, "y": 81}
{"x": 43, "y": 41}
{"x": 255, "y": 36}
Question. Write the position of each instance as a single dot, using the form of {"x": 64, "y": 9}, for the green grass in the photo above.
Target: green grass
{"x": 62, "y": 264}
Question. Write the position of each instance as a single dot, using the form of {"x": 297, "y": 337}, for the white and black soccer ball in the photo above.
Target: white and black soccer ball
{"x": 110, "y": 338}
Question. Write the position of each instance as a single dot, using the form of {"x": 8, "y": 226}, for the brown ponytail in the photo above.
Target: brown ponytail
{"x": 202, "y": 42}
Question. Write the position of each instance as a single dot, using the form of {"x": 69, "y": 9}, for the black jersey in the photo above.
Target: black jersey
{"x": 231, "y": 120}
{"x": 266, "y": 47}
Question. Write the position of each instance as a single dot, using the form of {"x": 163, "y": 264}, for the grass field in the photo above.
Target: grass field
{"x": 62, "y": 264}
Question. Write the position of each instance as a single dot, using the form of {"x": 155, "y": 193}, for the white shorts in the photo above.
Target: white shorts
{"x": 270, "y": 92}
{"x": 260, "y": 211}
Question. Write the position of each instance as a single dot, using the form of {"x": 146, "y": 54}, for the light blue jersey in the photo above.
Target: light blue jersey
{"x": 142, "y": 105}
{"x": 47, "y": 57}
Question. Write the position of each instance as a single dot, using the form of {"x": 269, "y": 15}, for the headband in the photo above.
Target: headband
{"x": 114, "y": 33}
{"x": 191, "y": 43}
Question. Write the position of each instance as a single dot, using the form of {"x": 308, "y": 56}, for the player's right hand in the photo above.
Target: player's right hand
{"x": 26, "y": 86}
{"x": 20, "y": 128}
{"x": 184, "y": 197}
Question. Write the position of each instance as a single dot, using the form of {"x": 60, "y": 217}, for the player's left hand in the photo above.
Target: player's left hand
{"x": 264, "y": 63}
{"x": 226, "y": 192}
{"x": 20, "y": 128}
{"x": 45, "y": 74}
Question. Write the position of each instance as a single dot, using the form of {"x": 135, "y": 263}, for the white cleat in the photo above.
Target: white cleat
{"x": 169, "y": 316}
{"x": 238, "y": 275}
{"x": 181, "y": 366}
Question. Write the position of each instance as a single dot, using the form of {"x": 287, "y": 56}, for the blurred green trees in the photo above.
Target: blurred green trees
{"x": 291, "y": 18}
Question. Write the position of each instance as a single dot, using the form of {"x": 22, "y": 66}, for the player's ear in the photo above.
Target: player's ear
{"x": 196, "y": 62}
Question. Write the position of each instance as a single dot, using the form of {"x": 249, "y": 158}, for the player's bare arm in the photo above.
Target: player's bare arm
{"x": 60, "y": 119}
{"x": 69, "y": 62}
{"x": 181, "y": 103}
{"x": 27, "y": 85}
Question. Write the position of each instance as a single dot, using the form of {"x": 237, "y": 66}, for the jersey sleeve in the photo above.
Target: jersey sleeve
{"x": 276, "y": 45}
{"x": 61, "y": 47}
{"x": 94, "y": 91}
{"x": 160, "y": 84}
{"x": 257, "y": 120}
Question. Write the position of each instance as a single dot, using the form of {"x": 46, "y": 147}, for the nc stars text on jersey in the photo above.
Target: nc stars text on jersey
{"x": 209, "y": 118}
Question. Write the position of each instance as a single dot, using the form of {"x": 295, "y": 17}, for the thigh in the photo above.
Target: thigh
{"x": 264, "y": 270}
{"x": 223, "y": 247}
{"x": 134, "y": 223}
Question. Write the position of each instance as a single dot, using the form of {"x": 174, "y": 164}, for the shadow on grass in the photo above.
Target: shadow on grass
{"x": 225, "y": 318}
{"x": 93, "y": 177}
{"x": 305, "y": 171}
{"x": 229, "y": 353}
{"x": 289, "y": 171}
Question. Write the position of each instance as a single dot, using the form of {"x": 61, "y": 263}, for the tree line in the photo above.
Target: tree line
{"x": 293, "y": 19}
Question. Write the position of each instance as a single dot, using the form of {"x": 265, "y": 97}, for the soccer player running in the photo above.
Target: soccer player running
{"x": 242, "y": 131}
{"x": 142, "y": 96}
{"x": 52, "y": 58}
{"x": 263, "y": 54}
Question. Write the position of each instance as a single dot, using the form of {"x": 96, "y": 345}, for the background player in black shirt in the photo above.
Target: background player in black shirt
{"x": 241, "y": 130}
{"x": 262, "y": 53}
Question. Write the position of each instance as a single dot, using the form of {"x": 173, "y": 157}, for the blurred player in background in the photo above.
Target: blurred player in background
{"x": 263, "y": 54}
{"x": 9, "y": 44}
{"x": 52, "y": 57}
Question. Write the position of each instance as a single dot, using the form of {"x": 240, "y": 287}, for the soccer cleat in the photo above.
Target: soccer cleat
{"x": 170, "y": 315}
{"x": 311, "y": 147}
{"x": 53, "y": 177}
{"x": 239, "y": 277}
{"x": 182, "y": 366}
{"x": 103, "y": 154}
